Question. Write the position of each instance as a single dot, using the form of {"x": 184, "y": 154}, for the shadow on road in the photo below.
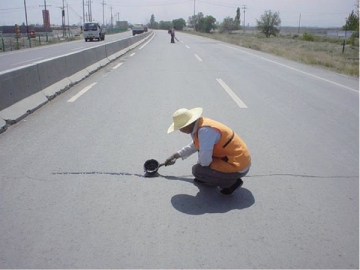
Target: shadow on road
{"x": 209, "y": 199}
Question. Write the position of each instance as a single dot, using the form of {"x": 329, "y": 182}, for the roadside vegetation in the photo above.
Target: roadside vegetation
{"x": 319, "y": 51}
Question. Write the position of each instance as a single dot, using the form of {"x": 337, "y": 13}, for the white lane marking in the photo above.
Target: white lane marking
{"x": 28, "y": 61}
{"x": 87, "y": 88}
{"x": 238, "y": 101}
{"x": 295, "y": 69}
{"x": 187, "y": 47}
{"x": 118, "y": 65}
{"x": 147, "y": 42}
{"x": 132, "y": 54}
{"x": 198, "y": 58}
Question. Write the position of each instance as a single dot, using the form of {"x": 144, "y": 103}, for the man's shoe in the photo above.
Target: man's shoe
{"x": 230, "y": 190}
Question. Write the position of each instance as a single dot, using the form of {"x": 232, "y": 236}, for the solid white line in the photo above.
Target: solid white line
{"x": 303, "y": 72}
{"x": 238, "y": 101}
{"x": 132, "y": 54}
{"x": 147, "y": 42}
{"x": 187, "y": 47}
{"x": 198, "y": 58}
{"x": 87, "y": 88}
{"x": 118, "y": 65}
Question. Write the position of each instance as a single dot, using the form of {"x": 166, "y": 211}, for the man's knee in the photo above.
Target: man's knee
{"x": 201, "y": 171}
{"x": 196, "y": 169}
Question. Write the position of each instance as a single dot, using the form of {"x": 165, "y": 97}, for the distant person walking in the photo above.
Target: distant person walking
{"x": 172, "y": 33}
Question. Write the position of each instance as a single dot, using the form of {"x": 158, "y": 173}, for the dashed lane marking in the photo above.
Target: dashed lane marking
{"x": 198, "y": 58}
{"x": 118, "y": 65}
{"x": 87, "y": 88}
{"x": 237, "y": 100}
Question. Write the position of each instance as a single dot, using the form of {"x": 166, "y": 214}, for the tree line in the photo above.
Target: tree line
{"x": 269, "y": 23}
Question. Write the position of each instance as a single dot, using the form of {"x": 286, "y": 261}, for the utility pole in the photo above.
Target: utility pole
{"x": 244, "y": 8}
{"x": 89, "y": 11}
{"x": 103, "y": 4}
{"x": 299, "y": 24}
{"x": 111, "y": 8}
{"x": 67, "y": 10}
{"x": 83, "y": 3}
{"x": 63, "y": 18}
{"x": 91, "y": 17}
{"x": 194, "y": 18}
{"x": 27, "y": 26}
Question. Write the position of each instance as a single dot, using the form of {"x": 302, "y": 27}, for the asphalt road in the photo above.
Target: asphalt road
{"x": 73, "y": 192}
{"x": 19, "y": 58}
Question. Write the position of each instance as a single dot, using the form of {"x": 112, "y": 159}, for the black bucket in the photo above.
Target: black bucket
{"x": 151, "y": 167}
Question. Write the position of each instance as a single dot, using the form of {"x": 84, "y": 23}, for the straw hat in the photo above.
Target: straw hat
{"x": 184, "y": 117}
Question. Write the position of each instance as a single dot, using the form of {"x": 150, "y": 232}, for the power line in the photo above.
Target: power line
{"x": 7, "y": 10}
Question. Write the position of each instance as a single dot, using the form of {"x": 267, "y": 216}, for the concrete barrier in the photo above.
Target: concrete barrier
{"x": 20, "y": 93}
{"x": 93, "y": 58}
{"x": 75, "y": 68}
{"x": 112, "y": 48}
{"x": 25, "y": 89}
{"x": 18, "y": 84}
{"x": 52, "y": 75}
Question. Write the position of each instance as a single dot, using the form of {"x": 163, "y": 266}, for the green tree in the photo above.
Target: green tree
{"x": 269, "y": 23}
{"x": 352, "y": 22}
{"x": 237, "y": 17}
{"x": 206, "y": 24}
{"x": 195, "y": 19}
{"x": 156, "y": 25}
{"x": 165, "y": 25}
{"x": 179, "y": 24}
{"x": 152, "y": 21}
{"x": 228, "y": 25}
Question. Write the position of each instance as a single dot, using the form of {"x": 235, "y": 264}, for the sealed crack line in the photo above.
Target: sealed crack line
{"x": 303, "y": 176}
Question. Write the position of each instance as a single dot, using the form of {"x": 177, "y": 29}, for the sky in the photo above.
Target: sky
{"x": 306, "y": 13}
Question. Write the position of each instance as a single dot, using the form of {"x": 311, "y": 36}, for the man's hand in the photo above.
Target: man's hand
{"x": 170, "y": 160}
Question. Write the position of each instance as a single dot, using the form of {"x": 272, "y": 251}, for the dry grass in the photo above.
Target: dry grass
{"x": 323, "y": 52}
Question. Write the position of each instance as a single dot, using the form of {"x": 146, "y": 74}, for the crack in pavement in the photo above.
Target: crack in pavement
{"x": 254, "y": 175}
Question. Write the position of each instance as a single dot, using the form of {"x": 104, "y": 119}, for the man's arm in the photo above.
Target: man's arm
{"x": 184, "y": 153}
